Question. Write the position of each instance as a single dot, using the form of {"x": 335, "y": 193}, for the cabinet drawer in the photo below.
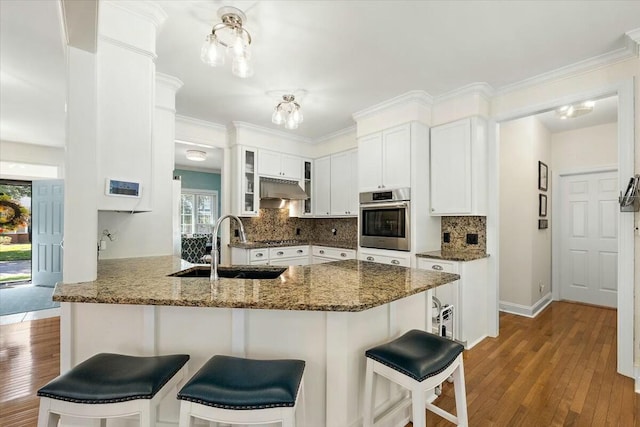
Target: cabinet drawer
{"x": 333, "y": 253}
{"x": 288, "y": 252}
{"x": 436, "y": 265}
{"x": 384, "y": 259}
{"x": 258, "y": 255}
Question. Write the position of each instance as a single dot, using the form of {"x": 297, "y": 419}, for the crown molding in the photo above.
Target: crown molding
{"x": 171, "y": 81}
{"x": 481, "y": 88}
{"x": 419, "y": 96}
{"x": 199, "y": 122}
{"x": 622, "y": 54}
{"x": 336, "y": 134}
{"x": 266, "y": 131}
{"x": 148, "y": 10}
{"x": 123, "y": 45}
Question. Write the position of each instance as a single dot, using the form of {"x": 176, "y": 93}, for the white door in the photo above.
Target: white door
{"x": 589, "y": 238}
{"x": 47, "y": 226}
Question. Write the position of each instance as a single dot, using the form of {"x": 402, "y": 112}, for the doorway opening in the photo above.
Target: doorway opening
{"x": 15, "y": 232}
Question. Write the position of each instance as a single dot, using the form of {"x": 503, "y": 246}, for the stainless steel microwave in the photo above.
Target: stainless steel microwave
{"x": 385, "y": 219}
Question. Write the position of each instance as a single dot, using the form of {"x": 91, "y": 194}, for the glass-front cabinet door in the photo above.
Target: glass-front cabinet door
{"x": 249, "y": 183}
{"x": 307, "y": 166}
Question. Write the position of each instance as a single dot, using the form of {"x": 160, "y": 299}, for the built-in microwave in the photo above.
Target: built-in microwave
{"x": 385, "y": 219}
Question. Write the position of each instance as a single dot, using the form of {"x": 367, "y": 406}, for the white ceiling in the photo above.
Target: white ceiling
{"x": 347, "y": 55}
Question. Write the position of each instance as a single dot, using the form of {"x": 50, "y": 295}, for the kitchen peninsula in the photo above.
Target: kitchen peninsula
{"x": 326, "y": 314}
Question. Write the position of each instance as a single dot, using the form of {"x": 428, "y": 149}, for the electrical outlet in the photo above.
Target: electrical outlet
{"x": 297, "y": 231}
{"x": 334, "y": 231}
{"x": 541, "y": 286}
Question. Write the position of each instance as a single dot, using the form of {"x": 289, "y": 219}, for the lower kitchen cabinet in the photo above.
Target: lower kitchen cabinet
{"x": 286, "y": 255}
{"x": 385, "y": 257}
{"x": 322, "y": 254}
{"x": 467, "y": 295}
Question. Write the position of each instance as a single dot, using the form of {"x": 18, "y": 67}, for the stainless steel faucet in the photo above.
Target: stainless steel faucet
{"x": 214, "y": 243}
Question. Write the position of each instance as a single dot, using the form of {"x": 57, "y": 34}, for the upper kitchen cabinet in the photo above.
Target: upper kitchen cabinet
{"x": 280, "y": 165}
{"x": 306, "y": 184}
{"x": 246, "y": 189}
{"x": 384, "y": 159}
{"x": 322, "y": 186}
{"x": 344, "y": 183}
{"x": 459, "y": 168}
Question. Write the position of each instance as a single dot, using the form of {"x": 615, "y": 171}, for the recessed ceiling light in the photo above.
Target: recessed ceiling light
{"x": 575, "y": 110}
{"x": 196, "y": 155}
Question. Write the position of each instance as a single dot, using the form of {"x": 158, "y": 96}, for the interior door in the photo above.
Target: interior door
{"x": 47, "y": 225}
{"x": 589, "y": 238}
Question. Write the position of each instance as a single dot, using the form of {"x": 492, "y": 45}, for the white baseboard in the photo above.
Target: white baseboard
{"x": 527, "y": 311}
{"x": 637, "y": 375}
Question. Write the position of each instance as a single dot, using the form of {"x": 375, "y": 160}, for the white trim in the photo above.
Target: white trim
{"x": 197, "y": 169}
{"x": 199, "y": 122}
{"x": 171, "y": 81}
{"x": 332, "y": 135}
{"x": 527, "y": 311}
{"x": 147, "y": 10}
{"x": 556, "y": 212}
{"x": 637, "y": 377}
{"x": 271, "y": 132}
{"x": 481, "y": 88}
{"x": 626, "y": 279}
{"x": 419, "y": 96}
{"x": 633, "y": 40}
{"x": 127, "y": 46}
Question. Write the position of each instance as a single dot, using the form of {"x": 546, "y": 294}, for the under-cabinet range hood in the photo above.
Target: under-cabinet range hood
{"x": 281, "y": 189}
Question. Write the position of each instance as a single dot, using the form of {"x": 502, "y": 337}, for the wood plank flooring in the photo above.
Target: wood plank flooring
{"x": 558, "y": 369}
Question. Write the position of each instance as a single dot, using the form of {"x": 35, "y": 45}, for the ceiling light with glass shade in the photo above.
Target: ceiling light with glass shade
{"x": 229, "y": 37}
{"x": 575, "y": 110}
{"x": 287, "y": 112}
{"x": 196, "y": 155}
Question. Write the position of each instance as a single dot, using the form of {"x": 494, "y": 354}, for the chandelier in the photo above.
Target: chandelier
{"x": 229, "y": 37}
{"x": 575, "y": 110}
{"x": 288, "y": 112}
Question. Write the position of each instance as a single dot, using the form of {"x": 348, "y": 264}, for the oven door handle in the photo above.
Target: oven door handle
{"x": 384, "y": 205}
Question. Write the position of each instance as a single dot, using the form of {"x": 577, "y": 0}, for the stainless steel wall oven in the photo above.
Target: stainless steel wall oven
{"x": 385, "y": 219}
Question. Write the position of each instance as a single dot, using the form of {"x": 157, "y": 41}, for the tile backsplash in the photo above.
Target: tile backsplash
{"x": 275, "y": 224}
{"x": 462, "y": 232}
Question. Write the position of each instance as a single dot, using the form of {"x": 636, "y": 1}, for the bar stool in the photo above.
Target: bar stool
{"x": 418, "y": 361}
{"x": 111, "y": 385}
{"x": 235, "y": 390}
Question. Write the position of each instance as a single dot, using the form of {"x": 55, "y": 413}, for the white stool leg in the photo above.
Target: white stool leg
{"x": 418, "y": 407}
{"x": 369, "y": 395}
{"x": 288, "y": 418}
{"x": 461, "y": 394}
{"x": 147, "y": 414}
{"x": 301, "y": 412}
{"x": 186, "y": 420}
{"x": 46, "y": 418}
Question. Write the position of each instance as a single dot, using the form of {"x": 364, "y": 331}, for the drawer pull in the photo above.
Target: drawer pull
{"x": 395, "y": 261}
{"x": 299, "y": 251}
{"x": 279, "y": 253}
{"x": 370, "y": 258}
{"x": 259, "y": 254}
{"x": 342, "y": 254}
{"x": 437, "y": 267}
{"x": 321, "y": 251}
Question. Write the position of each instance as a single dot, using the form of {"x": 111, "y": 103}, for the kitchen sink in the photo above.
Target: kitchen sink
{"x": 233, "y": 272}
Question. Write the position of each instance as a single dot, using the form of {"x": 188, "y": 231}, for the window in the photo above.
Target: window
{"x": 198, "y": 211}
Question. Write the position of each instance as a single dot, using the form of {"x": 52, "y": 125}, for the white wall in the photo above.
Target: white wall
{"x": 31, "y": 154}
{"x": 585, "y": 148}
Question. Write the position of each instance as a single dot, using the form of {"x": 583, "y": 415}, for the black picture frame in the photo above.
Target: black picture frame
{"x": 542, "y": 205}
{"x": 543, "y": 176}
{"x": 543, "y": 224}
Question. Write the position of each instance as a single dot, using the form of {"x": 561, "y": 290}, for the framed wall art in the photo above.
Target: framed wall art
{"x": 542, "y": 224}
{"x": 542, "y": 205}
{"x": 543, "y": 176}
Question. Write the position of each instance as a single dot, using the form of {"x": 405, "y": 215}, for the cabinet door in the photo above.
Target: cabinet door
{"x": 396, "y": 157}
{"x": 290, "y": 167}
{"x": 269, "y": 163}
{"x": 340, "y": 177}
{"x": 353, "y": 195}
{"x": 370, "y": 162}
{"x": 451, "y": 168}
{"x": 322, "y": 186}
{"x": 249, "y": 183}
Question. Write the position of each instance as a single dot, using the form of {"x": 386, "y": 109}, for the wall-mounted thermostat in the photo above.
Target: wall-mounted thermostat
{"x": 116, "y": 187}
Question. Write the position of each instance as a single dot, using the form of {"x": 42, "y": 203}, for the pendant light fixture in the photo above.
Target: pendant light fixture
{"x": 287, "y": 112}
{"x": 229, "y": 37}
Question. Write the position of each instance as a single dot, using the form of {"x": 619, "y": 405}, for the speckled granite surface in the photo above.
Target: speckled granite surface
{"x": 453, "y": 255}
{"x": 260, "y": 245}
{"x": 336, "y": 286}
{"x": 458, "y": 227}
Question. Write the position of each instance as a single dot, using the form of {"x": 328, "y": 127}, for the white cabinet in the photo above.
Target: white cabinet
{"x": 468, "y": 296}
{"x": 249, "y": 256}
{"x": 306, "y": 184}
{"x": 286, "y": 255}
{"x": 384, "y": 159}
{"x": 458, "y": 169}
{"x": 281, "y": 165}
{"x": 344, "y": 183}
{"x": 385, "y": 257}
{"x": 322, "y": 186}
{"x": 322, "y": 254}
{"x": 245, "y": 195}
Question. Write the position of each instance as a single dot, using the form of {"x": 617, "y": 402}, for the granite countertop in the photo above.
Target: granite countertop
{"x": 262, "y": 245}
{"x": 349, "y": 285}
{"x": 453, "y": 255}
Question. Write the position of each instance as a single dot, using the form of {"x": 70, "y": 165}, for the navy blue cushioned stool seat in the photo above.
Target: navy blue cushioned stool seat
{"x": 417, "y": 354}
{"x": 245, "y": 384}
{"x": 112, "y": 378}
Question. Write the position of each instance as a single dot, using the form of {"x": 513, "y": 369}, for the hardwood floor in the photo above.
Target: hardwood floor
{"x": 556, "y": 369}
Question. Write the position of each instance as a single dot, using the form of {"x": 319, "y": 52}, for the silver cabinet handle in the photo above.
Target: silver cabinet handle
{"x": 437, "y": 267}
{"x": 321, "y": 251}
{"x": 299, "y": 251}
{"x": 342, "y": 254}
{"x": 395, "y": 261}
{"x": 370, "y": 258}
{"x": 280, "y": 253}
{"x": 259, "y": 254}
